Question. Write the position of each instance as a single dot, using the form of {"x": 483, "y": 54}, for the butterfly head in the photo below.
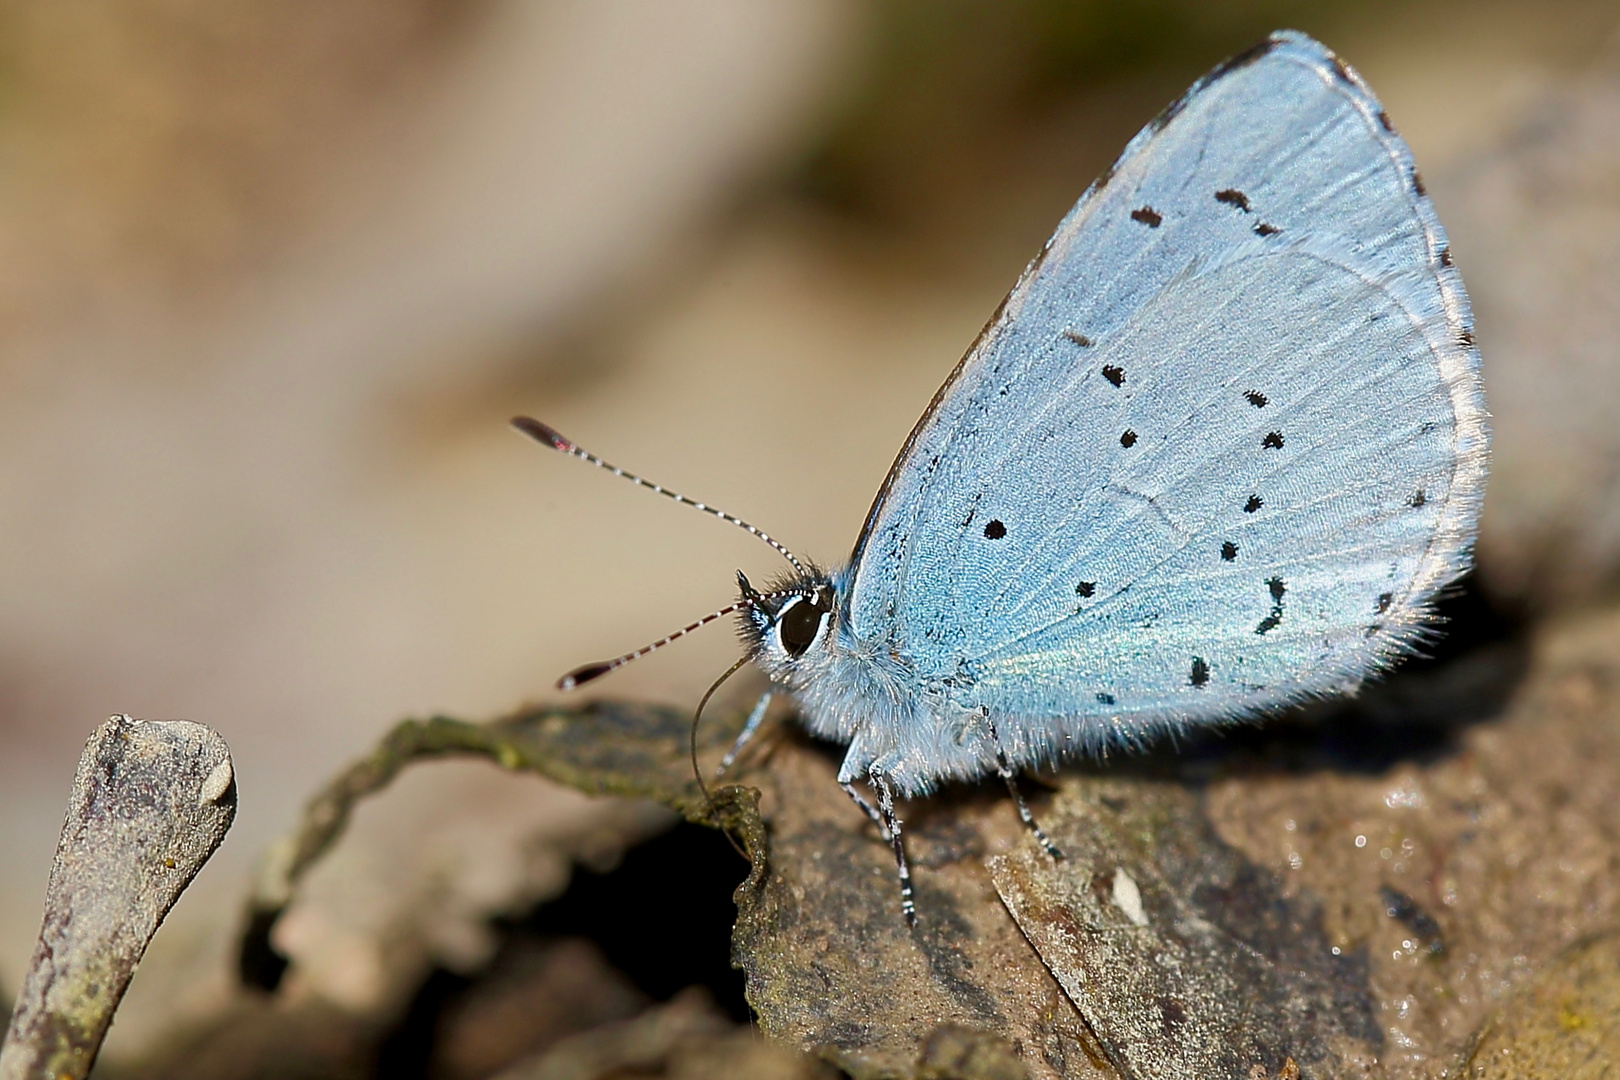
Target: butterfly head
{"x": 788, "y": 626}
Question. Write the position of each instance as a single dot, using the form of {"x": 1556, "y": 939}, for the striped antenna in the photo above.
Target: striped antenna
{"x": 548, "y": 436}
{"x": 582, "y": 675}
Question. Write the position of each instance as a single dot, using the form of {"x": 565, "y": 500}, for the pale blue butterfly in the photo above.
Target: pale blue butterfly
{"x": 1215, "y": 454}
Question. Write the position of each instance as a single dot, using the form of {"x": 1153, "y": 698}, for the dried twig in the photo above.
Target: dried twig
{"x": 151, "y": 802}
{"x": 602, "y": 748}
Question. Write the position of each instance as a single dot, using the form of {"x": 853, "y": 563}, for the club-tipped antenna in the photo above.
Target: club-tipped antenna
{"x": 549, "y": 436}
{"x": 582, "y": 675}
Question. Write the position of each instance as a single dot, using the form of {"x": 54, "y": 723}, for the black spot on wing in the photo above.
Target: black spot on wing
{"x": 994, "y": 529}
{"x": 1445, "y": 256}
{"x": 1278, "y": 590}
{"x": 1384, "y": 600}
{"x": 1233, "y": 197}
{"x": 1200, "y": 672}
{"x": 1079, "y": 339}
{"x": 1466, "y": 337}
{"x": 1086, "y": 588}
{"x": 1263, "y": 229}
{"x": 1228, "y": 550}
{"x": 1419, "y": 497}
{"x": 969, "y": 519}
{"x": 1128, "y": 439}
{"x": 1148, "y": 216}
{"x": 1253, "y": 504}
{"x": 1256, "y": 398}
{"x": 1272, "y": 441}
{"x": 1115, "y": 375}
{"x": 1105, "y": 699}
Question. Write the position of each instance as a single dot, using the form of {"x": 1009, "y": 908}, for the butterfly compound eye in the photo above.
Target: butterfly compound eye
{"x": 798, "y": 625}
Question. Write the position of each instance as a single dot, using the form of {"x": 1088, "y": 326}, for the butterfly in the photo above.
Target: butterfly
{"x": 1215, "y": 454}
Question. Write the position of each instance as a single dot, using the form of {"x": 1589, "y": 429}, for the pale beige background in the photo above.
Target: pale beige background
{"x": 273, "y": 280}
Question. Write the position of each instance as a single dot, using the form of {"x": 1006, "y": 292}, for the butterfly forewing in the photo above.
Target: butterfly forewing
{"x": 1223, "y": 441}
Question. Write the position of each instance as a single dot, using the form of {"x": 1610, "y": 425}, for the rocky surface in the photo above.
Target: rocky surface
{"x": 1391, "y": 886}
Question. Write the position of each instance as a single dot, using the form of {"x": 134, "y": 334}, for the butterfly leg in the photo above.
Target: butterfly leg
{"x": 891, "y": 825}
{"x": 1007, "y": 774}
{"x": 747, "y": 733}
{"x": 867, "y": 808}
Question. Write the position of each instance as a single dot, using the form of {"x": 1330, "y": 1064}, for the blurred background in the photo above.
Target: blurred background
{"x": 273, "y": 276}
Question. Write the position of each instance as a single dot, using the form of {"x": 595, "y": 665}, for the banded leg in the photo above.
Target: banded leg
{"x": 868, "y": 809}
{"x": 1007, "y": 774}
{"x": 891, "y": 824}
{"x": 747, "y": 733}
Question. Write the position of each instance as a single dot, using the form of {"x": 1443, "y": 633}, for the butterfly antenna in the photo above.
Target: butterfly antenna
{"x": 582, "y": 675}
{"x": 697, "y": 771}
{"x": 549, "y": 436}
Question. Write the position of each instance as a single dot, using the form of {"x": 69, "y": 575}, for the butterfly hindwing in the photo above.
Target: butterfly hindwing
{"x": 1222, "y": 442}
